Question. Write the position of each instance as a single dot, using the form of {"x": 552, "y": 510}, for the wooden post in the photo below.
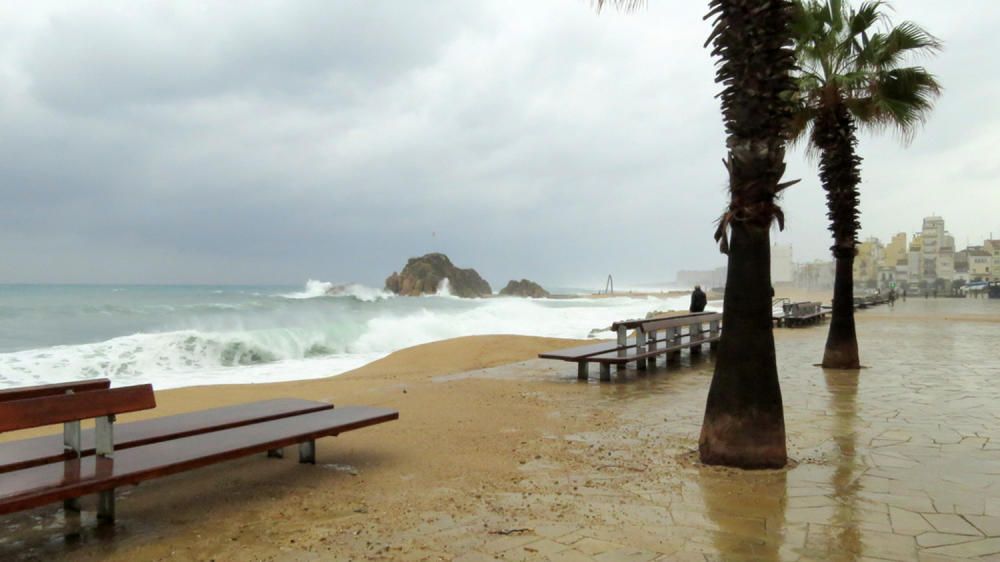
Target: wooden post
{"x": 605, "y": 372}
{"x": 640, "y": 344}
{"x": 71, "y": 444}
{"x": 694, "y": 334}
{"x": 622, "y": 342}
{"x": 581, "y": 371}
{"x": 104, "y": 448}
{"x": 714, "y": 332}
{"x": 674, "y": 338}
{"x": 651, "y": 348}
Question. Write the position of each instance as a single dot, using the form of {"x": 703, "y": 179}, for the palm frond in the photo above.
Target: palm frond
{"x": 901, "y": 100}
{"x": 906, "y": 39}
{"x": 865, "y": 17}
{"x": 621, "y": 5}
{"x": 856, "y": 57}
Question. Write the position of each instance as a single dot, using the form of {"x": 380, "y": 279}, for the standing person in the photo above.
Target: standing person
{"x": 904, "y": 294}
{"x": 892, "y": 298}
{"x": 698, "y": 299}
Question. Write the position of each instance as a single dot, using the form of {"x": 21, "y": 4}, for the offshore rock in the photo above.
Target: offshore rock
{"x": 425, "y": 275}
{"x": 524, "y": 288}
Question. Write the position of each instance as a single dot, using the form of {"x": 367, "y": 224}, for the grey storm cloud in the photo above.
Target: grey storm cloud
{"x": 277, "y": 141}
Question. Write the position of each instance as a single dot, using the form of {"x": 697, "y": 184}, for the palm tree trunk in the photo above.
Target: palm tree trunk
{"x": 842, "y": 340}
{"x": 744, "y": 418}
{"x": 744, "y": 422}
{"x": 834, "y": 135}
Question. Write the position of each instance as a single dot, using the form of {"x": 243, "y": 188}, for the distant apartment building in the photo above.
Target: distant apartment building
{"x": 870, "y": 257}
{"x": 937, "y": 252}
{"x": 817, "y": 274}
{"x": 706, "y": 278}
{"x": 993, "y": 247}
{"x": 896, "y": 249}
{"x": 980, "y": 264}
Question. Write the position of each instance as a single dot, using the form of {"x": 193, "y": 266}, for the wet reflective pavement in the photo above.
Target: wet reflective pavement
{"x": 897, "y": 461}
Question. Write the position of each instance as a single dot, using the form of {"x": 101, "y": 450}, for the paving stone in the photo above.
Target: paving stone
{"x": 989, "y": 526}
{"x": 952, "y": 524}
{"x": 907, "y": 523}
{"x": 973, "y": 549}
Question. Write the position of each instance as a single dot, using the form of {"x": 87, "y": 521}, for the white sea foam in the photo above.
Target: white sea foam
{"x": 315, "y": 289}
{"x": 312, "y": 290}
{"x": 309, "y": 340}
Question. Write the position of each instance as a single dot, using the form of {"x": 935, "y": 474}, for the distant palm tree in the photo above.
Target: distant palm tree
{"x": 744, "y": 423}
{"x": 851, "y": 72}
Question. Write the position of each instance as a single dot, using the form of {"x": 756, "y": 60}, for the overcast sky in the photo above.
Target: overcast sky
{"x": 272, "y": 142}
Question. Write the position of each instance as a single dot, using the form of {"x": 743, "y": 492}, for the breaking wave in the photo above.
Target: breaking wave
{"x": 316, "y": 289}
{"x": 252, "y": 337}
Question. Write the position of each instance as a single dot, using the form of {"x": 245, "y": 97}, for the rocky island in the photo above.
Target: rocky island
{"x": 423, "y": 276}
{"x": 524, "y": 288}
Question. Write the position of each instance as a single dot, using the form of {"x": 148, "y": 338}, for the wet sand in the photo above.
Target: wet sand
{"x": 498, "y": 455}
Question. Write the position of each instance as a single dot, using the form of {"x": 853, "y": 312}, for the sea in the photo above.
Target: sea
{"x": 176, "y": 336}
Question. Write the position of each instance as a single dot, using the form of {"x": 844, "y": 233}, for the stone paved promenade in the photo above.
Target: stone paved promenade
{"x": 900, "y": 461}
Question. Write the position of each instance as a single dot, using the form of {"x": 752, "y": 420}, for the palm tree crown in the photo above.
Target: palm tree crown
{"x": 855, "y": 56}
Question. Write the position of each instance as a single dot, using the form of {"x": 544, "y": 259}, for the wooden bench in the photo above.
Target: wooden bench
{"x": 801, "y": 313}
{"x": 645, "y": 345}
{"x": 38, "y": 475}
{"x": 30, "y": 452}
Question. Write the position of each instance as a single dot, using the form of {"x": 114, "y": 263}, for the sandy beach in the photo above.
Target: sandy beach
{"x": 498, "y": 455}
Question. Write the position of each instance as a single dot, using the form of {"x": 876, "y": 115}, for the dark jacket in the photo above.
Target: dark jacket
{"x": 698, "y": 301}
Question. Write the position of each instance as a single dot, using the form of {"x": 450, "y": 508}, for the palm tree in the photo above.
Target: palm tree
{"x": 744, "y": 423}
{"x": 851, "y": 73}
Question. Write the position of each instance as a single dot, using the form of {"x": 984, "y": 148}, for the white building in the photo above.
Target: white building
{"x": 782, "y": 267}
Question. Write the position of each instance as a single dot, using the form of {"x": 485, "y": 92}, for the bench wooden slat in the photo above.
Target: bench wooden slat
{"x": 47, "y": 410}
{"x": 635, "y": 323}
{"x": 24, "y": 392}
{"x": 575, "y": 353}
{"x": 40, "y": 485}
{"x": 679, "y": 322}
{"x": 580, "y": 352}
{"x": 25, "y": 453}
{"x": 630, "y": 356}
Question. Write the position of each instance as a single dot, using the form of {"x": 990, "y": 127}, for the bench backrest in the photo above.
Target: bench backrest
{"x": 681, "y": 321}
{"x": 801, "y": 308}
{"x": 23, "y": 392}
{"x": 633, "y": 324}
{"x": 48, "y": 410}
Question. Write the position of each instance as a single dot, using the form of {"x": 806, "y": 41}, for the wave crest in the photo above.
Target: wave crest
{"x": 317, "y": 289}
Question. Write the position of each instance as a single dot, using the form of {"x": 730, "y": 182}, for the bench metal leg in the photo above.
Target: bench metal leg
{"x": 275, "y": 453}
{"x": 307, "y": 452}
{"x": 106, "y": 506}
{"x": 582, "y": 371}
{"x": 72, "y": 505}
{"x": 606, "y": 372}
